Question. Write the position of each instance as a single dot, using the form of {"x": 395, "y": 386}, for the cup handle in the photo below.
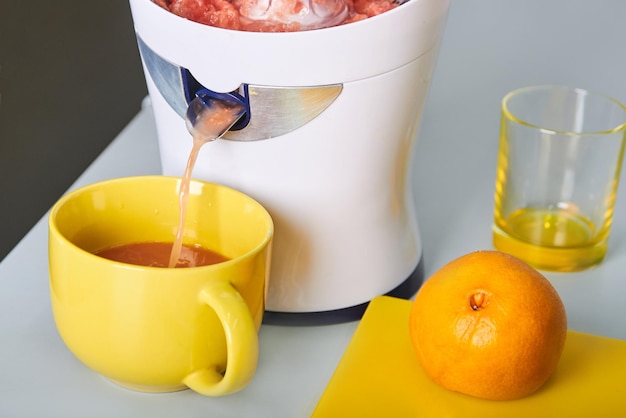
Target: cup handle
{"x": 242, "y": 343}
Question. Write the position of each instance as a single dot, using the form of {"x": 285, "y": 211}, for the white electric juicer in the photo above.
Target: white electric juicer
{"x": 325, "y": 144}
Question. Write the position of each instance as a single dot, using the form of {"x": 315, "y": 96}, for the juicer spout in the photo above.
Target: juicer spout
{"x": 211, "y": 114}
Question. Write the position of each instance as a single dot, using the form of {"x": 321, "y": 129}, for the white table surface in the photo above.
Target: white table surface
{"x": 490, "y": 47}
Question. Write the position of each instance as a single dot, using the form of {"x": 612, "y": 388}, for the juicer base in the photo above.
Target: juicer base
{"x": 404, "y": 290}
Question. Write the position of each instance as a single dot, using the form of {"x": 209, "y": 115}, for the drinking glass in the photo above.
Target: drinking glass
{"x": 559, "y": 162}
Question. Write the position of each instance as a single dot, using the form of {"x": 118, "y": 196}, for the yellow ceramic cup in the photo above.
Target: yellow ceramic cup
{"x": 159, "y": 329}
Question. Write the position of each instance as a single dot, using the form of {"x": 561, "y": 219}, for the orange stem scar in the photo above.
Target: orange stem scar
{"x": 477, "y": 300}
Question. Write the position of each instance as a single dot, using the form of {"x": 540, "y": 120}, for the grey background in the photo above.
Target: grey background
{"x": 70, "y": 80}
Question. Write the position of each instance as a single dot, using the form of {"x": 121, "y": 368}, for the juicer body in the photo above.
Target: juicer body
{"x": 337, "y": 186}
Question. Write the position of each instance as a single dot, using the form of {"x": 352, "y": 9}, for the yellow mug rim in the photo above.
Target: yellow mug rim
{"x": 82, "y": 189}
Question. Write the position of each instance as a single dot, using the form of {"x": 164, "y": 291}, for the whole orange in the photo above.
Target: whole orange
{"x": 488, "y": 325}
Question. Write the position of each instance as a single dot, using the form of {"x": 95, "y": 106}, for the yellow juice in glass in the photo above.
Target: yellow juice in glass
{"x": 557, "y": 240}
